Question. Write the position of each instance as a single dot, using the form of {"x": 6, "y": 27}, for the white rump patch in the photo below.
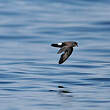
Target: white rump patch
{"x": 59, "y": 43}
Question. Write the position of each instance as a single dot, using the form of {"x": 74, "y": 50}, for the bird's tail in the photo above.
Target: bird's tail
{"x": 56, "y": 45}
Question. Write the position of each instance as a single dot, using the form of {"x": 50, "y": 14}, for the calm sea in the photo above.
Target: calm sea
{"x": 30, "y": 76}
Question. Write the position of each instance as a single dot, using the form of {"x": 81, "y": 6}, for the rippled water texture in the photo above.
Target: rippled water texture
{"x": 30, "y": 76}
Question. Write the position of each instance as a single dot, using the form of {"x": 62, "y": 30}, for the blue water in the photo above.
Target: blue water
{"x": 30, "y": 76}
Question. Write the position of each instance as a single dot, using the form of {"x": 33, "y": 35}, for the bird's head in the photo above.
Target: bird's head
{"x": 75, "y": 44}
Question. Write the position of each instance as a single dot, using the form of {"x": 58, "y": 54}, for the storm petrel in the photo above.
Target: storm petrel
{"x": 67, "y": 48}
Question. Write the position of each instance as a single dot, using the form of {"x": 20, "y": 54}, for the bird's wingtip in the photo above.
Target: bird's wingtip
{"x": 60, "y": 62}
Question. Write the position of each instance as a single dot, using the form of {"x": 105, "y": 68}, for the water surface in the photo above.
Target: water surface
{"x": 30, "y": 76}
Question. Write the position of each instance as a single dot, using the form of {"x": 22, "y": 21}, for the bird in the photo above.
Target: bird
{"x": 67, "y": 48}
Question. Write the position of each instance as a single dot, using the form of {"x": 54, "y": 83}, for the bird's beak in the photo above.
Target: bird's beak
{"x": 77, "y": 45}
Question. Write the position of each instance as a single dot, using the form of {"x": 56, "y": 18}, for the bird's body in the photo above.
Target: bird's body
{"x": 67, "y": 48}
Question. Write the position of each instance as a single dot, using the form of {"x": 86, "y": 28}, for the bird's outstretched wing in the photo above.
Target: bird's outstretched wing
{"x": 63, "y": 49}
{"x": 65, "y": 55}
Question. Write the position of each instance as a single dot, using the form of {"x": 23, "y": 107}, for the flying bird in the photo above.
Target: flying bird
{"x": 67, "y": 48}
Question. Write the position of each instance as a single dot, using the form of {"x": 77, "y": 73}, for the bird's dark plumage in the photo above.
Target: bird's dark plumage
{"x": 56, "y": 45}
{"x": 65, "y": 55}
{"x": 67, "y": 48}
